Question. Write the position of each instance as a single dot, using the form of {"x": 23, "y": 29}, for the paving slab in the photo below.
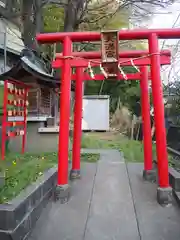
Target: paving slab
{"x": 112, "y": 213}
{"x": 68, "y": 221}
{"x": 110, "y": 202}
{"x": 155, "y": 222}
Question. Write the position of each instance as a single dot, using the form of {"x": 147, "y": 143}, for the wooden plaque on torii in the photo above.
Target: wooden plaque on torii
{"x": 110, "y": 52}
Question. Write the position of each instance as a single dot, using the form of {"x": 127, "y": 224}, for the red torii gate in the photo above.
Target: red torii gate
{"x": 148, "y": 172}
{"x": 143, "y": 75}
{"x": 163, "y": 192}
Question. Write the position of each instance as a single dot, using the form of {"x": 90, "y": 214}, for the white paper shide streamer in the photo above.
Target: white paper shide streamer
{"x": 103, "y": 71}
{"x": 137, "y": 69}
{"x": 122, "y": 72}
{"x": 90, "y": 71}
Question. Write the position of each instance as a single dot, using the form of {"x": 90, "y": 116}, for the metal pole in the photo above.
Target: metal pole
{"x": 148, "y": 173}
{"x": 162, "y": 157}
{"x": 5, "y": 50}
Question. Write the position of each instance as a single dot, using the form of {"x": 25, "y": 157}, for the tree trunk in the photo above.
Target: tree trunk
{"x": 73, "y": 13}
{"x": 10, "y": 6}
{"x": 32, "y": 22}
{"x": 10, "y": 11}
{"x": 28, "y": 27}
{"x": 38, "y": 15}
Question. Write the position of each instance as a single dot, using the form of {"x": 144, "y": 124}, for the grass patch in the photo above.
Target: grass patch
{"x": 90, "y": 157}
{"x": 132, "y": 150}
{"x": 21, "y": 170}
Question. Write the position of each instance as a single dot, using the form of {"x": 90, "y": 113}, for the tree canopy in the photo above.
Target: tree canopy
{"x": 33, "y": 16}
{"x": 70, "y": 15}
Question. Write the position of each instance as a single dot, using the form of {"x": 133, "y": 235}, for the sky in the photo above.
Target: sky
{"x": 167, "y": 20}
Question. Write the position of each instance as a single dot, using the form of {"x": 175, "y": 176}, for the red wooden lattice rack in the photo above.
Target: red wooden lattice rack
{"x": 15, "y": 104}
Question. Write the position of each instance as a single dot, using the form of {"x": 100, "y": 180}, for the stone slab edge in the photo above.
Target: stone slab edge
{"x": 174, "y": 179}
{"x": 177, "y": 197}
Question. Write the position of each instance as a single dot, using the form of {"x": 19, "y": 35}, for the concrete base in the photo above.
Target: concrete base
{"x": 164, "y": 196}
{"x": 62, "y": 193}
{"x": 75, "y": 174}
{"x": 149, "y": 175}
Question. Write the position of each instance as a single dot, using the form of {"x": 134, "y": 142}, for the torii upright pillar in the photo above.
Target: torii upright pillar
{"x": 148, "y": 172}
{"x": 76, "y": 155}
{"x": 62, "y": 189}
{"x": 164, "y": 192}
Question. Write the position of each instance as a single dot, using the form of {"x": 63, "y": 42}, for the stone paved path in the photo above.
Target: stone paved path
{"x": 110, "y": 202}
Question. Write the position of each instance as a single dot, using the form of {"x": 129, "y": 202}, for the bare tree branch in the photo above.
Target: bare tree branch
{"x": 76, "y": 12}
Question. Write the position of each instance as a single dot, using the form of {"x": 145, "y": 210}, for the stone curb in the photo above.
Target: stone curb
{"x": 18, "y": 217}
{"x": 174, "y": 180}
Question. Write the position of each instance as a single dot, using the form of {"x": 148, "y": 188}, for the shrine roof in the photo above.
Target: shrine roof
{"x": 29, "y": 68}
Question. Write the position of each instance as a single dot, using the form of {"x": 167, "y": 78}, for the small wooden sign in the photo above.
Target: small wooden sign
{"x": 110, "y": 46}
{"x": 110, "y": 52}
